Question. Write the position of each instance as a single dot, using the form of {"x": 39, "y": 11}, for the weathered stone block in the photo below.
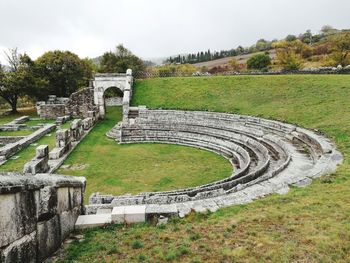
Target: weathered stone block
{"x": 67, "y": 221}
{"x": 76, "y": 197}
{"x": 118, "y": 215}
{"x": 22, "y": 250}
{"x": 75, "y": 124}
{"x": 17, "y": 216}
{"x": 89, "y": 221}
{"x": 135, "y": 214}
{"x": 87, "y": 123}
{"x": 62, "y": 135}
{"x": 57, "y": 153}
{"x": 36, "y": 166}
{"x": 47, "y": 203}
{"x": 161, "y": 210}
{"x": 63, "y": 199}
{"x": 49, "y": 237}
{"x": 42, "y": 151}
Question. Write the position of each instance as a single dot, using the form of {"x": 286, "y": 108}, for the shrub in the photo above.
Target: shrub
{"x": 137, "y": 244}
{"x": 259, "y": 61}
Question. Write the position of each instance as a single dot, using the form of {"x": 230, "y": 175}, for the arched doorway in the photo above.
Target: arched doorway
{"x": 113, "y": 96}
{"x": 121, "y": 81}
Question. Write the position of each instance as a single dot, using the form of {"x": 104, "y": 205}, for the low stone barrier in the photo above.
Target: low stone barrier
{"x": 37, "y": 213}
{"x": 11, "y": 149}
{"x": 10, "y": 139}
{"x": 63, "y": 144}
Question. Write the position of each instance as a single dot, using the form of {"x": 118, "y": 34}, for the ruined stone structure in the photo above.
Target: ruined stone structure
{"x": 77, "y": 105}
{"x": 38, "y": 211}
{"x": 90, "y": 99}
{"x": 123, "y": 82}
{"x": 266, "y": 156}
{"x": 39, "y": 164}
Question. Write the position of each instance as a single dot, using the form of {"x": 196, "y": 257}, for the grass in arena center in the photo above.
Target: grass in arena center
{"x": 111, "y": 168}
{"x": 310, "y": 224}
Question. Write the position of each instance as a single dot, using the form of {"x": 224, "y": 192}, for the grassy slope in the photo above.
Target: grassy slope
{"x": 119, "y": 169}
{"x": 310, "y": 224}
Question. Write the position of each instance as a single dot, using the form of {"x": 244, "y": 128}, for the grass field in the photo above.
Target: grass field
{"x": 111, "y": 168}
{"x": 309, "y": 224}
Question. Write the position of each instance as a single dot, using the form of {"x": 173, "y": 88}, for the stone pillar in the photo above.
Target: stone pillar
{"x": 127, "y": 95}
{"x": 39, "y": 164}
{"x": 87, "y": 123}
{"x": 92, "y": 115}
{"x": 76, "y": 130}
{"x": 63, "y": 144}
{"x": 99, "y": 101}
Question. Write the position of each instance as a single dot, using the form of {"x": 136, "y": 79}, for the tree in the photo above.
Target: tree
{"x": 327, "y": 29}
{"x": 64, "y": 71}
{"x": 259, "y": 61}
{"x": 234, "y": 65}
{"x": 288, "y": 54}
{"x": 18, "y": 80}
{"x": 341, "y": 46}
{"x": 123, "y": 59}
{"x": 291, "y": 38}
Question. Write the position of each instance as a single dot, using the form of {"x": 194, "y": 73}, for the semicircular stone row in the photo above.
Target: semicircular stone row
{"x": 266, "y": 156}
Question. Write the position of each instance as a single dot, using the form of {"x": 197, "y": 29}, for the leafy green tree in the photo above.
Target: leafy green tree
{"x": 291, "y": 38}
{"x": 18, "y": 80}
{"x": 121, "y": 60}
{"x": 64, "y": 71}
{"x": 259, "y": 61}
{"x": 341, "y": 46}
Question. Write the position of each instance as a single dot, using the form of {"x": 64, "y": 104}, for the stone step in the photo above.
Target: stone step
{"x": 90, "y": 221}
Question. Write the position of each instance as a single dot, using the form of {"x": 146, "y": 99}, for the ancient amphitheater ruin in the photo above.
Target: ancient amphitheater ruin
{"x": 38, "y": 209}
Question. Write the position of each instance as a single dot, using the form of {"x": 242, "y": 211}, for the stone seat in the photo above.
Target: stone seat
{"x": 266, "y": 155}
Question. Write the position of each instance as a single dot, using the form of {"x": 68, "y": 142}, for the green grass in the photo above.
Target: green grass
{"x": 111, "y": 168}
{"x": 309, "y": 224}
{"x": 16, "y": 133}
{"x": 31, "y": 112}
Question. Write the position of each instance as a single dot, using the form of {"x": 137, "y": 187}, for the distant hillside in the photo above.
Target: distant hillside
{"x": 221, "y": 57}
{"x": 222, "y": 62}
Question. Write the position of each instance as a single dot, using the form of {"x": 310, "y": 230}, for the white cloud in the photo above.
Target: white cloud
{"x": 156, "y": 27}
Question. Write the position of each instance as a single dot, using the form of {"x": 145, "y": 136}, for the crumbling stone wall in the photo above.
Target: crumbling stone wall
{"x": 37, "y": 212}
{"x": 52, "y": 111}
{"x": 77, "y": 105}
{"x": 80, "y": 103}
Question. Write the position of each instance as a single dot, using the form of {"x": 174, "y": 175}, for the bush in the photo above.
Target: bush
{"x": 260, "y": 61}
{"x": 137, "y": 244}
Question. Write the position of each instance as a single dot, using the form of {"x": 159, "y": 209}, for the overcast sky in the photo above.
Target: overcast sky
{"x": 157, "y": 28}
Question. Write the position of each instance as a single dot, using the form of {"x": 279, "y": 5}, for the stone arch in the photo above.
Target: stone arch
{"x": 113, "y": 96}
{"x": 104, "y": 81}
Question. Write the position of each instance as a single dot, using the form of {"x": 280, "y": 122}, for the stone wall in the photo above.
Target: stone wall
{"x": 77, "y": 105}
{"x": 80, "y": 103}
{"x": 115, "y": 101}
{"x": 52, "y": 111}
{"x": 36, "y": 214}
{"x": 10, "y": 139}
